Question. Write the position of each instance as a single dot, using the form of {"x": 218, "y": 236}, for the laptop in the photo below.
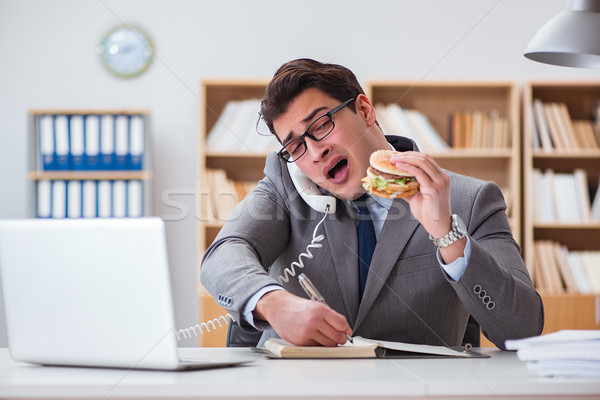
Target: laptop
{"x": 91, "y": 292}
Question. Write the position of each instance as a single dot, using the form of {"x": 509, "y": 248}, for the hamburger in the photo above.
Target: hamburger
{"x": 385, "y": 180}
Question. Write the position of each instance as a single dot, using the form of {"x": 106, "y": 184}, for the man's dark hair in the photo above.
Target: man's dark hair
{"x": 295, "y": 76}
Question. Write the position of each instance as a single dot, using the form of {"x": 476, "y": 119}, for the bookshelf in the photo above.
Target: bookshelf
{"x": 566, "y": 310}
{"x": 440, "y": 102}
{"x": 245, "y": 165}
{"x": 126, "y": 178}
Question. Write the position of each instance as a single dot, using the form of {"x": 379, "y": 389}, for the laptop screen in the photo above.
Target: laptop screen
{"x": 88, "y": 292}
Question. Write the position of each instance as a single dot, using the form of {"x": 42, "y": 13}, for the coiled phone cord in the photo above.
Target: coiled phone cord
{"x": 300, "y": 264}
{"x": 199, "y": 329}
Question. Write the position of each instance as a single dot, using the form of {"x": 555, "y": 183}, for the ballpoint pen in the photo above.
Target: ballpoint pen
{"x": 314, "y": 294}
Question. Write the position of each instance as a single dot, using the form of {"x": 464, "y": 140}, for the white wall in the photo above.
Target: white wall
{"x": 48, "y": 60}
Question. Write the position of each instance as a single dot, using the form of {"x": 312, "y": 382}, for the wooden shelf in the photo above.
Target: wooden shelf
{"x": 240, "y": 166}
{"x": 37, "y": 174}
{"x": 579, "y": 154}
{"x": 582, "y": 226}
{"x": 89, "y": 111}
{"x": 570, "y": 311}
{"x": 563, "y": 311}
{"x": 90, "y": 175}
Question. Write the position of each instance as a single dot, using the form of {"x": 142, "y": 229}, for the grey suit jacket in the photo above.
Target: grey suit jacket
{"x": 408, "y": 297}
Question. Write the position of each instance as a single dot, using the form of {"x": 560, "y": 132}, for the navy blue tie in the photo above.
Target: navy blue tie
{"x": 366, "y": 241}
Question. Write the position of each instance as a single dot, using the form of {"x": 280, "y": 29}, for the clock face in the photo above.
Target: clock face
{"x": 126, "y": 51}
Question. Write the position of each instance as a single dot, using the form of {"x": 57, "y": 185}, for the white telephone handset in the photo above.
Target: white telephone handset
{"x": 310, "y": 192}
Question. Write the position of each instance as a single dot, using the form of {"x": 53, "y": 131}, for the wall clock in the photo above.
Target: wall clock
{"x": 126, "y": 51}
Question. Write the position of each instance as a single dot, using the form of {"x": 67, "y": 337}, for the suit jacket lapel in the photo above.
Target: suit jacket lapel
{"x": 397, "y": 230}
{"x": 344, "y": 256}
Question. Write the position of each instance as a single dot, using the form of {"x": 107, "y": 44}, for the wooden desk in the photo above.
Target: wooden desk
{"x": 501, "y": 376}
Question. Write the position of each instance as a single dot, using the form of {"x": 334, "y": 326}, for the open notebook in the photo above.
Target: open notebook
{"x": 366, "y": 348}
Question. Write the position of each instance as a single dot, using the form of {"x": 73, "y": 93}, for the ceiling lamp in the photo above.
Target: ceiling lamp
{"x": 570, "y": 39}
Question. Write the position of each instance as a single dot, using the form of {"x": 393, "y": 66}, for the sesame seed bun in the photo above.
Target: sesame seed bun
{"x": 380, "y": 160}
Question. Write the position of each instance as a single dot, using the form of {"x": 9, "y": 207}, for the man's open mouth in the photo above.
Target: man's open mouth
{"x": 338, "y": 168}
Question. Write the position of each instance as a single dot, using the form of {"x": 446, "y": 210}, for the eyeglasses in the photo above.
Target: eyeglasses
{"x": 318, "y": 130}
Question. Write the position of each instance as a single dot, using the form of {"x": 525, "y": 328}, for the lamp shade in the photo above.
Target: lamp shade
{"x": 571, "y": 39}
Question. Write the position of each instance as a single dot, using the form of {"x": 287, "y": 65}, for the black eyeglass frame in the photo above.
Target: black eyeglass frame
{"x": 287, "y": 157}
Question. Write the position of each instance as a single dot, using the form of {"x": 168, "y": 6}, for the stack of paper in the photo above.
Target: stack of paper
{"x": 567, "y": 353}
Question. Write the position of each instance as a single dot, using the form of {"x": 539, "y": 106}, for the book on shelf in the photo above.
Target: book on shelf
{"x": 395, "y": 120}
{"x": 43, "y": 199}
{"x": 61, "y": 142}
{"x": 574, "y": 263}
{"x": 74, "y": 200}
{"x": 74, "y": 142}
{"x": 584, "y": 130}
{"x": 107, "y": 142}
{"x": 121, "y": 127}
{"x": 236, "y": 130}
{"x": 137, "y": 142}
{"x": 558, "y": 270}
{"x": 477, "y": 129}
{"x": 223, "y": 194}
{"x": 566, "y": 198}
{"x": 560, "y": 254}
{"x": 541, "y": 125}
{"x": 366, "y": 348}
{"x": 590, "y": 261}
{"x": 546, "y": 272}
{"x": 89, "y": 198}
{"x": 557, "y": 130}
{"x": 544, "y": 209}
{"x": 562, "y": 197}
{"x": 91, "y": 155}
{"x": 45, "y": 139}
{"x": 595, "y": 208}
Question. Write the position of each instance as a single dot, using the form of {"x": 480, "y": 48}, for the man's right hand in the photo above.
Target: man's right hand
{"x": 300, "y": 321}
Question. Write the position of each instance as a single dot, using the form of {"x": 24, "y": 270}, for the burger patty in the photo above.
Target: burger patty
{"x": 384, "y": 175}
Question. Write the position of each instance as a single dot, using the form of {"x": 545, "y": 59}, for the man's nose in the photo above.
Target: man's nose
{"x": 316, "y": 150}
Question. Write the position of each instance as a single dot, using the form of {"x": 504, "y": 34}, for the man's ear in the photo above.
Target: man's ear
{"x": 365, "y": 109}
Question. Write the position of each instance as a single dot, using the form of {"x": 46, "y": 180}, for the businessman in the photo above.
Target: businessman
{"x": 443, "y": 254}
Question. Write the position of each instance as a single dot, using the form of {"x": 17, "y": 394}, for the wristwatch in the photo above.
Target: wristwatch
{"x": 458, "y": 231}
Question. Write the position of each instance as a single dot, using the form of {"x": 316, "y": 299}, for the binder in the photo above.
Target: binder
{"x": 46, "y": 142}
{"x": 107, "y": 142}
{"x": 59, "y": 199}
{"x": 135, "y": 199}
{"x": 91, "y": 159}
{"x": 136, "y": 142}
{"x": 121, "y": 142}
{"x": 119, "y": 199}
{"x": 61, "y": 141}
{"x": 76, "y": 142}
{"x": 44, "y": 199}
{"x": 89, "y": 199}
{"x": 104, "y": 199}
{"x": 74, "y": 199}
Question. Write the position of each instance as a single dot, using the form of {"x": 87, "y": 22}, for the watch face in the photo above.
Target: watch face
{"x": 126, "y": 51}
{"x": 459, "y": 225}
